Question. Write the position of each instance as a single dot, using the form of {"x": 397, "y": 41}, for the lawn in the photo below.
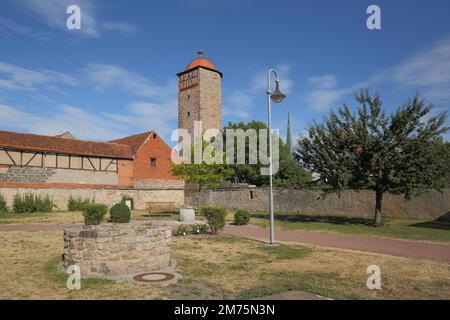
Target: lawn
{"x": 413, "y": 229}
{"x": 67, "y": 217}
{"x": 224, "y": 268}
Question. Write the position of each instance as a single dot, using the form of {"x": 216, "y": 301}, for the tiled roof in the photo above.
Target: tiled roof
{"x": 35, "y": 142}
{"x": 134, "y": 141}
{"x": 201, "y": 62}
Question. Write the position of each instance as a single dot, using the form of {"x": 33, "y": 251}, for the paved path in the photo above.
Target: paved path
{"x": 405, "y": 248}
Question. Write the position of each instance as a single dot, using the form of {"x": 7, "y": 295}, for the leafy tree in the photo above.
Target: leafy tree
{"x": 290, "y": 173}
{"x": 400, "y": 154}
{"x": 202, "y": 174}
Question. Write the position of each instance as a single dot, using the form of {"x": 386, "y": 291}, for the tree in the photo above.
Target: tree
{"x": 203, "y": 174}
{"x": 290, "y": 173}
{"x": 400, "y": 154}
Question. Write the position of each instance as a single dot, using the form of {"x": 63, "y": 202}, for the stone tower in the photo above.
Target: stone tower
{"x": 200, "y": 95}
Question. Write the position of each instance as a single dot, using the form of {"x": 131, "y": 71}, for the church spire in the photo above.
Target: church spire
{"x": 289, "y": 135}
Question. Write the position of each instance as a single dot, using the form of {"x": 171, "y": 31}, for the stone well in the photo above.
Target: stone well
{"x": 117, "y": 250}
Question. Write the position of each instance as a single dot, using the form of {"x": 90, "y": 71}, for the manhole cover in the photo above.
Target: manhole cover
{"x": 153, "y": 277}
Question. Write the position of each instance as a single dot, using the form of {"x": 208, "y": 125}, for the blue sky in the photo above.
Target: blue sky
{"x": 117, "y": 75}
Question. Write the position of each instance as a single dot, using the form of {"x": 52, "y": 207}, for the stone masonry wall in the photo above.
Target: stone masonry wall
{"x": 431, "y": 205}
{"x": 159, "y": 184}
{"x": 48, "y": 175}
{"x": 117, "y": 250}
{"x": 106, "y": 196}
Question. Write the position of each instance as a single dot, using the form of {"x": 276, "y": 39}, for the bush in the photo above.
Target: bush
{"x": 32, "y": 203}
{"x": 3, "y": 207}
{"x": 241, "y": 218}
{"x": 93, "y": 213}
{"x": 181, "y": 231}
{"x": 76, "y": 204}
{"x": 200, "y": 229}
{"x": 215, "y": 217}
{"x": 120, "y": 213}
{"x": 43, "y": 204}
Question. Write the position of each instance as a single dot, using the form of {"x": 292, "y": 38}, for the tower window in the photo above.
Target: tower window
{"x": 189, "y": 96}
{"x": 251, "y": 195}
{"x": 188, "y": 114}
{"x": 153, "y": 162}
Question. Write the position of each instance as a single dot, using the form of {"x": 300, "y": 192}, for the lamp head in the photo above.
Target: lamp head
{"x": 277, "y": 96}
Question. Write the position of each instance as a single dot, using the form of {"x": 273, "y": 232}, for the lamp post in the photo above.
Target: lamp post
{"x": 276, "y": 97}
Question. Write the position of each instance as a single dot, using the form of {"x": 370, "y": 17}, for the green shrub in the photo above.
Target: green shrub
{"x": 241, "y": 218}
{"x": 93, "y": 213}
{"x": 32, "y": 203}
{"x": 76, "y": 204}
{"x": 120, "y": 213}
{"x": 200, "y": 229}
{"x": 3, "y": 207}
{"x": 43, "y": 204}
{"x": 215, "y": 217}
{"x": 181, "y": 231}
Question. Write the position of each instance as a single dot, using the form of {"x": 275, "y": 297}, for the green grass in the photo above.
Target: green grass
{"x": 413, "y": 229}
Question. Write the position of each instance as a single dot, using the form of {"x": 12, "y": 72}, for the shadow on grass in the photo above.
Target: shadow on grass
{"x": 318, "y": 218}
{"x": 432, "y": 225}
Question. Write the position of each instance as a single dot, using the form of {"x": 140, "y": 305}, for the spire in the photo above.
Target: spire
{"x": 289, "y": 135}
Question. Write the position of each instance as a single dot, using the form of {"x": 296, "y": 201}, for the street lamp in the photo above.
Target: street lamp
{"x": 276, "y": 97}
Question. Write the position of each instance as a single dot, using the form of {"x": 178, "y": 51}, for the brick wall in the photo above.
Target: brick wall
{"x": 430, "y": 205}
{"x": 156, "y": 148}
{"x": 125, "y": 173}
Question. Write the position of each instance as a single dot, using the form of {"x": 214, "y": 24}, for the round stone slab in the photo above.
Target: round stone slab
{"x": 154, "y": 277}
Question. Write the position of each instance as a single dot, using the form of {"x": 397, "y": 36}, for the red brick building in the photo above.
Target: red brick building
{"x": 140, "y": 161}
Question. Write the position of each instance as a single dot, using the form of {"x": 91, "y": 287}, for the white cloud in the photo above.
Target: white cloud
{"x": 327, "y": 81}
{"x": 53, "y": 13}
{"x": 139, "y": 116}
{"x": 148, "y": 116}
{"x": 235, "y": 113}
{"x": 427, "y": 72}
{"x": 122, "y": 28}
{"x": 259, "y": 81}
{"x": 13, "y": 77}
{"x": 82, "y": 124}
{"x": 106, "y": 76}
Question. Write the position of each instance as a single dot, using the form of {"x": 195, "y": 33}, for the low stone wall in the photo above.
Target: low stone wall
{"x": 106, "y": 196}
{"x": 117, "y": 250}
{"x": 431, "y": 205}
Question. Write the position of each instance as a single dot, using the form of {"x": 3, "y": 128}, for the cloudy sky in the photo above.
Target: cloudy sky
{"x": 117, "y": 75}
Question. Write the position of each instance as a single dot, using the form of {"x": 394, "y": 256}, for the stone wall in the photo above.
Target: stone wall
{"x": 430, "y": 205}
{"x": 159, "y": 184}
{"x": 106, "y": 196}
{"x": 117, "y": 250}
{"x": 49, "y": 175}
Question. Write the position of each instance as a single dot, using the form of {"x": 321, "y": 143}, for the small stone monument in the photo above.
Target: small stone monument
{"x": 187, "y": 215}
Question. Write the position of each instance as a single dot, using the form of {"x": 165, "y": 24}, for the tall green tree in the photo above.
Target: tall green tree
{"x": 202, "y": 174}
{"x": 289, "y": 175}
{"x": 400, "y": 154}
